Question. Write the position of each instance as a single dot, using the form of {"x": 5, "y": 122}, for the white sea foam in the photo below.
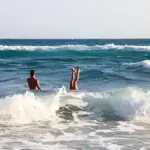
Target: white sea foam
{"x": 143, "y": 148}
{"x": 121, "y": 47}
{"x": 75, "y": 47}
{"x": 128, "y": 104}
{"x": 144, "y": 64}
{"x": 39, "y": 126}
{"x": 27, "y": 108}
{"x": 45, "y": 48}
{"x": 128, "y": 127}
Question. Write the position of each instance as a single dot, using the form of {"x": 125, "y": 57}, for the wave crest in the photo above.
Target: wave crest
{"x": 144, "y": 64}
{"x": 125, "y": 104}
{"x": 75, "y": 47}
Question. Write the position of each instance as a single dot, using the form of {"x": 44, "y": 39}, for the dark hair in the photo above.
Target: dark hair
{"x": 32, "y": 73}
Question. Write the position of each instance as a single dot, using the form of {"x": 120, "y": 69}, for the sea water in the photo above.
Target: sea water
{"x": 110, "y": 111}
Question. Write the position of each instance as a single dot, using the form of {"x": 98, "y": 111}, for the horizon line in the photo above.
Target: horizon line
{"x": 75, "y": 38}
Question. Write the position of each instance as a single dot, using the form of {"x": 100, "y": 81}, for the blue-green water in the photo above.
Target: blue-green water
{"x": 104, "y": 63}
{"x": 111, "y": 107}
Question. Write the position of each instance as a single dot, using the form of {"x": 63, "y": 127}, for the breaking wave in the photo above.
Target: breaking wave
{"x": 144, "y": 64}
{"x": 75, "y": 47}
{"x": 125, "y": 104}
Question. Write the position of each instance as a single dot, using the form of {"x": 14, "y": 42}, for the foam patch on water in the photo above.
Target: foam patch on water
{"x": 143, "y": 148}
{"x": 128, "y": 127}
{"x": 100, "y": 141}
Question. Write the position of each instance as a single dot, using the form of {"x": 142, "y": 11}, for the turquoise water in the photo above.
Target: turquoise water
{"x": 104, "y": 63}
{"x": 111, "y": 107}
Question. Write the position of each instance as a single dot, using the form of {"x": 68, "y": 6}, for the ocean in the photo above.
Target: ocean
{"x": 110, "y": 110}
